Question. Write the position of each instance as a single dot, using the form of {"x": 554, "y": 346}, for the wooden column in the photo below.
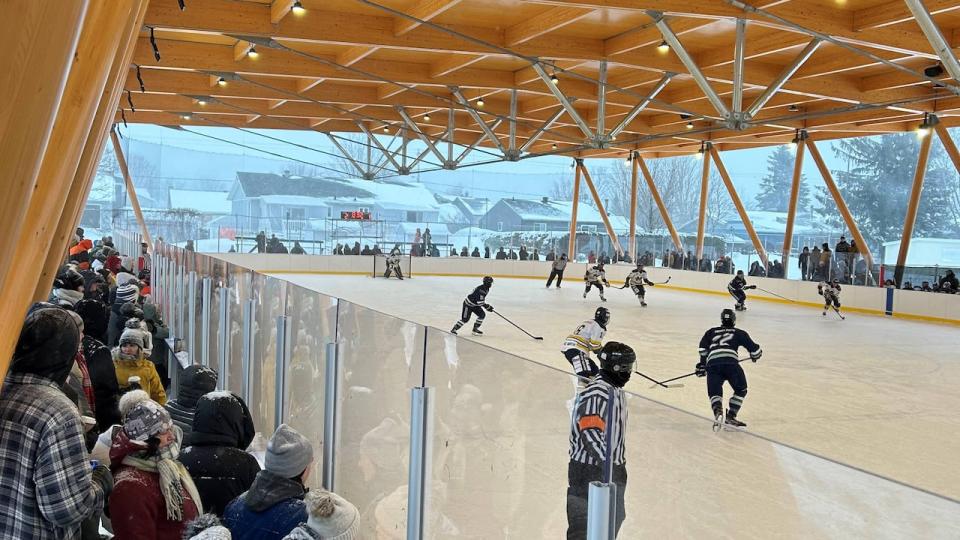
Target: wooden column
{"x": 792, "y": 208}
{"x": 757, "y": 244}
{"x": 633, "y": 205}
{"x": 702, "y": 222}
{"x": 603, "y": 212}
{"x": 38, "y": 40}
{"x": 912, "y": 205}
{"x": 948, "y": 145}
{"x": 572, "y": 247}
{"x": 131, "y": 191}
{"x": 657, "y": 199}
{"x": 841, "y": 205}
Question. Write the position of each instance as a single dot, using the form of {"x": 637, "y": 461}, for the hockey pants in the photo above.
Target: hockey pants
{"x": 555, "y": 274}
{"x": 733, "y": 374}
{"x": 639, "y": 291}
{"x": 579, "y": 477}
{"x": 596, "y": 284}
{"x": 583, "y": 365}
{"x": 395, "y": 270}
{"x": 465, "y": 316}
{"x": 739, "y": 296}
{"x": 831, "y": 300}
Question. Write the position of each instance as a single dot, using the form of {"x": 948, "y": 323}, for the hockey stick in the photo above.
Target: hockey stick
{"x": 658, "y": 383}
{"x": 842, "y": 318}
{"x": 538, "y": 338}
{"x": 777, "y": 295}
{"x": 652, "y": 284}
{"x": 694, "y": 373}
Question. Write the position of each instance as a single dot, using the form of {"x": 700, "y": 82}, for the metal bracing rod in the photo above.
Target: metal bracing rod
{"x": 602, "y": 99}
{"x": 370, "y": 164}
{"x": 541, "y": 130}
{"x": 567, "y": 105}
{"x": 689, "y": 63}
{"x": 403, "y": 147}
{"x": 784, "y": 76}
{"x": 451, "y": 122}
{"x": 738, "y": 66}
{"x": 484, "y": 135}
{"x": 416, "y": 129}
{"x": 376, "y": 143}
{"x": 346, "y": 154}
{"x": 935, "y": 37}
{"x": 642, "y": 105}
{"x": 513, "y": 120}
{"x": 476, "y": 117}
{"x": 419, "y": 158}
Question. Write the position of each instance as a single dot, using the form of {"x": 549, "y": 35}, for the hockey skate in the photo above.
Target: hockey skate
{"x": 602, "y": 299}
{"x": 584, "y": 295}
{"x": 717, "y": 420}
{"x": 824, "y": 313}
{"x": 643, "y": 304}
{"x": 732, "y": 422}
{"x": 476, "y": 331}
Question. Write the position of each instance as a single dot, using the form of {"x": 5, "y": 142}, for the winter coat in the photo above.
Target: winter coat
{"x": 103, "y": 376}
{"x": 214, "y": 452}
{"x": 559, "y": 264}
{"x": 268, "y": 511}
{"x": 137, "y": 508}
{"x": 143, "y": 368}
{"x": 116, "y": 324}
{"x": 195, "y": 381}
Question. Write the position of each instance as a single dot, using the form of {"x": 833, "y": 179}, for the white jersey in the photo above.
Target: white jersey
{"x": 595, "y": 275}
{"x": 587, "y": 337}
{"x": 829, "y": 290}
{"x": 637, "y": 278}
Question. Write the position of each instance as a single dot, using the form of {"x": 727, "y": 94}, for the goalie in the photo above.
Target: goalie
{"x": 393, "y": 263}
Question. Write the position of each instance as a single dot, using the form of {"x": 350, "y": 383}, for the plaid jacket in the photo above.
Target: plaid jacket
{"x": 46, "y": 488}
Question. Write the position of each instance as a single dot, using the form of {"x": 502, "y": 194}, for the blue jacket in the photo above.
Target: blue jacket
{"x": 271, "y": 508}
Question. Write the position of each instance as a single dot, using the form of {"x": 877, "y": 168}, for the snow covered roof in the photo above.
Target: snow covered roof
{"x": 102, "y": 189}
{"x": 392, "y": 195}
{"x": 209, "y": 202}
{"x": 925, "y": 252}
{"x": 476, "y": 205}
{"x": 437, "y": 230}
{"x": 550, "y": 210}
{"x": 451, "y": 213}
{"x": 776, "y": 222}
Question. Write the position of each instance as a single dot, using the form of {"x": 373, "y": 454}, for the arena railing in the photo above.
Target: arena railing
{"x": 435, "y": 436}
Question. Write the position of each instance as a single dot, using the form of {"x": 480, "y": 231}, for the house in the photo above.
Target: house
{"x": 214, "y": 203}
{"x": 97, "y": 213}
{"x": 473, "y": 208}
{"x": 545, "y": 215}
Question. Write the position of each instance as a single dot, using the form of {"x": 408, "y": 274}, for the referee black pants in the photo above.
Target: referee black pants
{"x": 579, "y": 477}
{"x": 555, "y": 274}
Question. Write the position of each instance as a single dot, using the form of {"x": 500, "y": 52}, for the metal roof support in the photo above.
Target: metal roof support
{"x": 781, "y": 79}
{"x": 738, "y": 47}
{"x": 540, "y": 131}
{"x": 476, "y": 117}
{"x": 935, "y": 37}
{"x": 450, "y": 132}
{"x": 416, "y": 129}
{"x": 512, "y": 153}
{"x": 480, "y": 139}
{"x": 602, "y": 102}
{"x": 567, "y": 104}
{"x": 404, "y": 133}
{"x": 689, "y": 63}
{"x": 377, "y": 143}
{"x": 346, "y": 154}
{"x": 642, "y": 105}
{"x": 419, "y": 158}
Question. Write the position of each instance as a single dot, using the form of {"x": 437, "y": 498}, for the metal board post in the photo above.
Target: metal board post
{"x": 330, "y": 416}
{"x": 246, "y": 355}
{"x": 601, "y": 514}
{"x": 421, "y": 428}
{"x": 283, "y": 360}
{"x": 223, "y": 339}
{"x": 205, "y": 297}
{"x": 192, "y": 317}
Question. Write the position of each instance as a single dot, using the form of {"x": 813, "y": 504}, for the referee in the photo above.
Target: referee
{"x": 599, "y": 407}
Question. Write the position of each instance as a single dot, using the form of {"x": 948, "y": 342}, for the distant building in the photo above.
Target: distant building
{"x": 770, "y": 228}
{"x": 473, "y": 208}
{"x": 545, "y": 215}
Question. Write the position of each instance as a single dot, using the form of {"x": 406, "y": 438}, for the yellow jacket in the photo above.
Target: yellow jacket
{"x": 143, "y": 368}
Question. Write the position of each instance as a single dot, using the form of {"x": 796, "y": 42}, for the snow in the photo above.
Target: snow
{"x": 208, "y": 202}
{"x": 552, "y": 210}
{"x": 450, "y": 213}
{"x": 220, "y": 394}
{"x": 925, "y": 252}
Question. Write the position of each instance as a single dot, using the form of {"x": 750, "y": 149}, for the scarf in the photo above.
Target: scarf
{"x": 87, "y": 384}
{"x": 174, "y": 478}
{"x": 68, "y": 296}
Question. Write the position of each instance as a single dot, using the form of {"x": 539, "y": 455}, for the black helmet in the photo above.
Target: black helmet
{"x": 836, "y": 281}
{"x": 602, "y": 316}
{"x": 68, "y": 278}
{"x": 487, "y": 281}
{"x": 617, "y": 358}
{"x": 728, "y": 318}
{"x": 739, "y": 272}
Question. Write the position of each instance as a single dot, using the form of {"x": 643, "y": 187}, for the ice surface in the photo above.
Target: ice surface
{"x": 874, "y": 393}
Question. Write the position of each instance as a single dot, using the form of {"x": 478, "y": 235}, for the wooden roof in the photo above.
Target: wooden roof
{"x": 344, "y": 64}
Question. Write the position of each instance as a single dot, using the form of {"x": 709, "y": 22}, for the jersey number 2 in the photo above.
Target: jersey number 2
{"x": 722, "y": 340}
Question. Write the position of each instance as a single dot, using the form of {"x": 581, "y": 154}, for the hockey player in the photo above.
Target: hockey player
{"x": 586, "y": 339}
{"x": 636, "y": 280}
{"x": 719, "y": 363}
{"x": 830, "y": 291}
{"x": 594, "y": 277}
{"x": 393, "y": 263}
{"x": 474, "y": 304}
{"x": 736, "y": 287}
{"x": 599, "y": 407}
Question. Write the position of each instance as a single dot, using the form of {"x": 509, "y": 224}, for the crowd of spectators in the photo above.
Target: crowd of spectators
{"x": 89, "y": 444}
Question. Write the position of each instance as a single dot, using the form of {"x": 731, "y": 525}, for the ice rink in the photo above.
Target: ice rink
{"x": 869, "y": 392}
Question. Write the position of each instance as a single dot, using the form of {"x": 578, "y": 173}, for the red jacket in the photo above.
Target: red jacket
{"x": 137, "y": 508}
{"x": 113, "y": 264}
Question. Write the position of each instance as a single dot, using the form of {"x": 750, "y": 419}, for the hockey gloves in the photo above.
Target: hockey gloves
{"x": 700, "y": 369}
{"x": 750, "y": 287}
{"x": 488, "y": 307}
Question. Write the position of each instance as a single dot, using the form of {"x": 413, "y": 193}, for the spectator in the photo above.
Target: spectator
{"x": 453, "y": 252}
{"x": 814, "y": 266}
{"x": 476, "y": 253}
{"x": 103, "y": 375}
{"x": 604, "y": 258}
{"x": 842, "y": 246}
{"x": 188, "y": 246}
{"x": 297, "y": 249}
{"x": 261, "y": 246}
{"x": 512, "y": 255}
{"x": 417, "y": 236}
{"x": 524, "y": 256}
{"x": 706, "y": 265}
{"x": 501, "y": 255}
{"x": 135, "y": 322}
{"x": 273, "y": 506}
{"x": 464, "y": 252}
{"x": 950, "y": 278}
{"x": 67, "y": 288}
{"x": 155, "y": 497}
{"x": 48, "y": 488}
{"x": 329, "y": 516}
{"x": 366, "y": 250}
{"x": 206, "y": 527}
{"x": 824, "y": 268}
{"x": 356, "y": 249}
{"x": 123, "y": 295}
{"x": 591, "y": 257}
{"x": 803, "y": 262}
{"x": 756, "y": 270}
{"x": 158, "y": 335}
{"x": 128, "y": 361}
{"x": 720, "y": 266}
{"x": 486, "y": 252}
{"x": 378, "y": 251}
{"x": 556, "y": 270}
{"x": 427, "y": 238}
{"x": 143, "y": 261}
{"x": 80, "y": 252}
{"x": 215, "y": 450}
{"x": 195, "y": 381}
{"x": 551, "y": 256}
{"x": 535, "y": 256}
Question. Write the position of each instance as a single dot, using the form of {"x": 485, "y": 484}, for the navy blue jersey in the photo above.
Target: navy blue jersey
{"x": 720, "y": 345}
{"x": 478, "y": 297}
{"x": 737, "y": 284}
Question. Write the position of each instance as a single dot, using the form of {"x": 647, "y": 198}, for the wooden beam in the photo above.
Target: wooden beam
{"x": 131, "y": 190}
{"x": 895, "y": 12}
{"x": 548, "y": 21}
{"x": 634, "y": 166}
{"x": 792, "y": 207}
{"x": 614, "y": 241}
{"x": 306, "y": 84}
{"x": 747, "y": 224}
{"x": 424, "y": 10}
{"x": 704, "y": 190}
{"x": 572, "y": 246}
{"x": 279, "y": 9}
{"x": 454, "y": 63}
{"x": 913, "y": 204}
{"x": 354, "y": 54}
{"x": 664, "y": 213}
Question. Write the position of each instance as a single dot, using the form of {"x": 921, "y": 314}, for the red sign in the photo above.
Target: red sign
{"x": 356, "y": 215}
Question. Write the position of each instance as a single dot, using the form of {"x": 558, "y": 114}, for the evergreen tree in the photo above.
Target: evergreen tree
{"x": 775, "y": 186}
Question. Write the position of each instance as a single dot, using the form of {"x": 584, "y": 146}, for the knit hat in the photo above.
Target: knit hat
{"x": 288, "y": 453}
{"x": 132, "y": 335}
{"x": 126, "y": 262}
{"x": 330, "y": 515}
{"x": 206, "y": 527}
{"x": 146, "y": 419}
{"x": 127, "y": 293}
{"x": 131, "y": 399}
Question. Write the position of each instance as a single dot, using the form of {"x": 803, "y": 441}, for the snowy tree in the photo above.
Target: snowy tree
{"x": 776, "y": 184}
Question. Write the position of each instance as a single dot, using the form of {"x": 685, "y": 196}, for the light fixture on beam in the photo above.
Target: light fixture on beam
{"x": 480, "y": 102}
{"x": 924, "y": 129}
{"x": 793, "y": 108}
{"x": 700, "y": 152}
{"x": 386, "y": 129}
{"x": 554, "y": 146}
{"x": 663, "y": 47}
{"x": 186, "y": 116}
{"x": 221, "y": 82}
{"x": 252, "y": 53}
{"x": 629, "y": 161}
{"x": 426, "y": 117}
{"x": 202, "y": 102}
{"x": 554, "y": 79}
{"x": 298, "y": 8}
{"x": 689, "y": 125}
{"x": 792, "y": 145}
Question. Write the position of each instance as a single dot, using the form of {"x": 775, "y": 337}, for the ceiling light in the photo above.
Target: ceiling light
{"x": 699, "y": 155}
{"x": 793, "y": 108}
{"x": 662, "y": 48}
{"x": 626, "y": 162}
{"x": 185, "y": 116}
{"x": 689, "y": 125}
{"x": 252, "y": 53}
{"x": 792, "y": 145}
{"x": 221, "y": 82}
{"x": 298, "y": 8}
{"x": 480, "y": 102}
{"x": 426, "y": 117}
{"x": 555, "y": 79}
{"x": 554, "y": 146}
{"x": 924, "y": 129}
{"x": 613, "y": 137}
{"x": 201, "y": 102}
{"x": 386, "y": 129}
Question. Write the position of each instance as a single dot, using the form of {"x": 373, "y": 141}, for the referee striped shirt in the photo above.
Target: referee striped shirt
{"x": 588, "y": 429}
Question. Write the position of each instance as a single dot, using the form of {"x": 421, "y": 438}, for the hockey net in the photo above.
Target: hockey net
{"x": 380, "y": 266}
